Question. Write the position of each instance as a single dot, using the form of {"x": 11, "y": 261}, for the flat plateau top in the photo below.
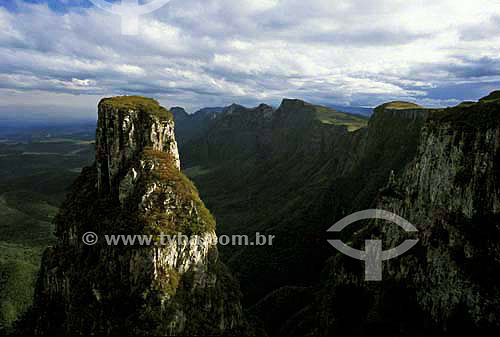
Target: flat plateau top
{"x": 145, "y": 104}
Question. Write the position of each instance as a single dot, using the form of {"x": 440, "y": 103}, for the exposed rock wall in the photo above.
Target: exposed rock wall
{"x": 452, "y": 193}
{"x": 123, "y": 133}
{"x": 448, "y": 283}
{"x": 179, "y": 288}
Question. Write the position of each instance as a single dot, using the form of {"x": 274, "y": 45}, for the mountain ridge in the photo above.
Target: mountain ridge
{"x": 296, "y": 195}
{"x": 291, "y": 173}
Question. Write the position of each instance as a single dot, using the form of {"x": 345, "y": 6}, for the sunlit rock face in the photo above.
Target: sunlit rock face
{"x": 125, "y": 129}
{"x": 447, "y": 284}
{"x": 176, "y": 287}
{"x": 451, "y": 191}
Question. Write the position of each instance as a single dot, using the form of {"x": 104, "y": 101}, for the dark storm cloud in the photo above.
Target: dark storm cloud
{"x": 475, "y": 68}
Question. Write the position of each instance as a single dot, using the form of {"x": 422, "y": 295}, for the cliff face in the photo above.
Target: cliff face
{"x": 295, "y": 129}
{"x": 452, "y": 193}
{"x": 310, "y": 171}
{"x": 190, "y": 126}
{"x": 236, "y": 132}
{"x": 298, "y": 130}
{"x": 135, "y": 187}
{"x": 124, "y": 132}
{"x": 448, "y": 283}
{"x": 437, "y": 168}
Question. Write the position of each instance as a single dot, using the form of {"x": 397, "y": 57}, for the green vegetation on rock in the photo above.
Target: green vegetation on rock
{"x": 182, "y": 220}
{"x": 331, "y": 116}
{"x": 483, "y": 115}
{"x": 398, "y": 105}
{"x": 145, "y": 104}
{"x": 132, "y": 288}
{"x": 493, "y": 96}
{"x": 466, "y": 104}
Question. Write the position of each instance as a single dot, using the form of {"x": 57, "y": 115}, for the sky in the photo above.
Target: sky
{"x": 59, "y": 57}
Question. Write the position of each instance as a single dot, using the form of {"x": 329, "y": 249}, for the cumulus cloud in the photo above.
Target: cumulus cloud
{"x": 197, "y": 53}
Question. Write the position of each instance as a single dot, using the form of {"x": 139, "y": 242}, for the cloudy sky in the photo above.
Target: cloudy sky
{"x": 58, "y": 57}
